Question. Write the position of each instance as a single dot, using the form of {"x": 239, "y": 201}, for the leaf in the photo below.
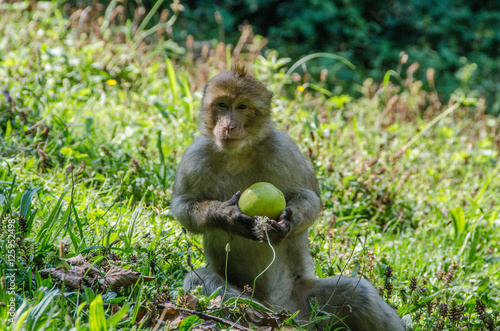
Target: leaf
{"x": 26, "y": 200}
{"x": 249, "y": 302}
{"x": 52, "y": 217}
{"x": 66, "y": 151}
{"x": 80, "y": 261}
{"x": 71, "y": 278}
{"x": 473, "y": 245}
{"x": 132, "y": 224}
{"x": 457, "y": 215}
{"x": 89, "y": 294}
{"x": 110, "y": 238}
{"x": 172, "y": 79}
{"x": 97, "y": 320}
{"x": 8, "y": 130}
{"x": 262, "y": 318}
{"x": 113, "y": 320}
{"x": 74, "y": 239}
{"x": 483, "y": 285}
{"x": 319, "y": 271}
{"x": 40, "y": 309}
{"x": 189, "y": 301}
{"x": 118, "y": 277}
{"x": 189, "y": 322}
{"x": 146, "y": 314}
{"x": 77, "y": 220}
{"x": 170, "y": 312}
{"x": 29, "y": 222}
{"x": 355, "y": 271}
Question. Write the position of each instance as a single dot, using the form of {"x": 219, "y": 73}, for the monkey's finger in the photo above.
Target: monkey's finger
{"x": 280, "y": 227}
{"x": 246, "y": 219}
{"x": 286, "y": 215}
{"x": 234, "y": 200}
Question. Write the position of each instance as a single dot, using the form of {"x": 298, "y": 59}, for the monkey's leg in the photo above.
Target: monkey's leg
{"x": 210, "y": 281}
{"x": 352, "y": 302}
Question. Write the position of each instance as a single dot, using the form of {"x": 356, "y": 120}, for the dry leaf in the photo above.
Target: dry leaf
{"x": 146, "y": 316}
{"x": 174, "y": 324}
{"x": 205, "y": 326}
{"x": 170, "y": 312}
{"x": 71, "y": 278}
{"x": 75, "y": 260}
{"x": 262, "y": 318}
{"x": 119, "y": 277}
{"x": 188, "y": 301}
{"x": 81, "y": 262}
{"x": 78, "y": 267}
{"x": 115, "y": 308}
{"x": 216, "y": 302}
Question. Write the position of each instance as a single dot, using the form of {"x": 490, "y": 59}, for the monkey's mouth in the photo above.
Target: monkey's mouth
{"x": 230, "y": 141}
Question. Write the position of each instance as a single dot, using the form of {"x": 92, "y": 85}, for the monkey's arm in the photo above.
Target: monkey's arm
{"x": 200, "y": 216}
{"x": 305, "y": 205}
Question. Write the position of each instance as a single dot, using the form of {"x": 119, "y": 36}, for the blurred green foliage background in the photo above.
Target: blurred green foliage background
{"x": 459, "y": 39}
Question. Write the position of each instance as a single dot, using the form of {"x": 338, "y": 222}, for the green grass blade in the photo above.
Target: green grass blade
{"x": 189, "y": 322}
{"x": 97, "y": 320}
{"x": 107, "y": 15}
{"x": 78, "y": 223}
{"x": 314, "y": 56}
{"x": 429, "y": 125}
{"x": 8, "y": 198}
{"x": 172, "y": 79}
{"x": 39, "y": 310}
{"x": 117, "y": 317}
{"x": 74, "y": 239}
{"x": 89, "y": 294}
{"x": 485, "y": 185}
{"x": 49, "y": 223}
{"x": 132, "y": 225}
{"x": 26, "y": 200}
{"x": 473, "y": 244}
{"x": 457, "y": 215}
{"x": 237, "y": 301}
{"x": 29, "y": 223}
{"x": 148, "y": 17}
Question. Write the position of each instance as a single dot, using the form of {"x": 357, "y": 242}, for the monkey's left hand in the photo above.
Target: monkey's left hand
{"x": 280, "y": 228}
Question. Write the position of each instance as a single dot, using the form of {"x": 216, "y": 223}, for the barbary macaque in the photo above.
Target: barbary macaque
{"x": 239, "y": 146}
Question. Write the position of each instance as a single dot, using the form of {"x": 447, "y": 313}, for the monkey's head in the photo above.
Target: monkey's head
{"x": 235, "y": 110}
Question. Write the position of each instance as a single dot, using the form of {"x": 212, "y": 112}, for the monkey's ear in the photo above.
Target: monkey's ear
{"x": 239, "y": 69}
{"x": 271, "y": 94}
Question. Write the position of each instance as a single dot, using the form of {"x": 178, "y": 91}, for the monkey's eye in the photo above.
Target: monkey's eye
{"x": 222, "y": 105}
{"x": 242, "y": 106}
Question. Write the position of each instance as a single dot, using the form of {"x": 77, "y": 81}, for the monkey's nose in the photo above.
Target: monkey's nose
{"x": 229, "y": 129}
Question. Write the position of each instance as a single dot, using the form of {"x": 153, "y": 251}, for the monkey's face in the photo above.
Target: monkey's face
{"x": 235, "y": 111}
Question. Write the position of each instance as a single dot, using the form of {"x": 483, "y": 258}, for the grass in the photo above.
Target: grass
{"x": 95, "y": 116}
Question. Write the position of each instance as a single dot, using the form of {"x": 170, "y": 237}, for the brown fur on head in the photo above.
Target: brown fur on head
{"x": 239, "y": 69}
{"x": 235, "y": 110}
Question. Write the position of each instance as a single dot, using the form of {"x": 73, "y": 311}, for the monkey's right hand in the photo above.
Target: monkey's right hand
{"x": 238, "y": 223}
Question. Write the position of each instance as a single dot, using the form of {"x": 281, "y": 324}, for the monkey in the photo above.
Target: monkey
{"x": 239, "y": 146}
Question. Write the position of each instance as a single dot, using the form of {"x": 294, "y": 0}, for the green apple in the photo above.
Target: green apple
{"x": 262, "y": 199}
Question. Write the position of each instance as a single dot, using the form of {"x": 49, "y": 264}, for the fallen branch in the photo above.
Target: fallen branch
{"x": 210, "y": 317}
